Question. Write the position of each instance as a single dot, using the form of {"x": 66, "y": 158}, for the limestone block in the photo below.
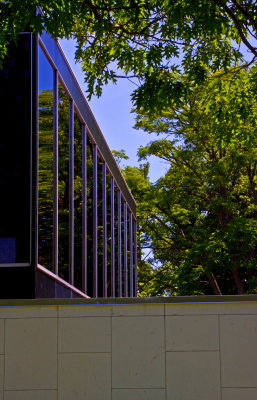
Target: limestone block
{"x": 1, "y": 336}
{"x": 1, "y": 376}
{"x": 84, "y": 376}
{"x": 193, "y": 375}
{"x": 211, "y": 308}
{"x": 138, "y": 394}
{"x": 192, "y": 333}
{"x": 238, "y": 341}
{"x": 138, "y": 309}
{"x": 30, "y": 395}
{"x": 239, "y": 394}
{"x": 81, "y": 310}
{"x": 31, "y": 354}
{"x": 138, "y": 359}
{"x": 88, "y": 334}
{"x": 28, "y": 312}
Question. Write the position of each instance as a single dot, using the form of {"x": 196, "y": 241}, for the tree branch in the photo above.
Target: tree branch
{"x": 237, "y": 26}
{"x": 245, "y": 13}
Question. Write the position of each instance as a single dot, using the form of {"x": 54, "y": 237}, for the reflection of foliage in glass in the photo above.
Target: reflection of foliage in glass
{"x": 109, "y": 235}
{"x": 100, "y": 225}
{"x": 63, "y": 183}
{"x": 45, "y": 178}
{"x": 77, "y": 201}
{"x": 89, "y": 218}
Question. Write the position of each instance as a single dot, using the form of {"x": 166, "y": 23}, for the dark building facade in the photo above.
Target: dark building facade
{"x": 67, "y": 217}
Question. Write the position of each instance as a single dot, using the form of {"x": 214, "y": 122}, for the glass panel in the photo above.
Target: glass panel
{"x": 15, "y": 155}
{"x": 135, "y": 255}
{"x": 104, "y": 229}
{"x": 128, "y": 253}
{"x": 63, "y": 183}
{"x": 122, "y": 234}
{"x": 78, "y": 201}
{"x": 131, "y": 255}
{"x": 89, "y": 218}
{"x": 125, "y": 245}
{"x": 45, "y": 156}
{"x": 116, "y": 242}
{"x": 109, "y": 236}
{"x": 100, "y": 225}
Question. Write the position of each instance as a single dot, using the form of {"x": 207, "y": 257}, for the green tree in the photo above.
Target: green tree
{"x": 153, "y": 41}
{"x": 200, "y": 219}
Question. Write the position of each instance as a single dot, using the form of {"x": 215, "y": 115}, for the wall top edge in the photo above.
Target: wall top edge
{"x": 130, "y": 301}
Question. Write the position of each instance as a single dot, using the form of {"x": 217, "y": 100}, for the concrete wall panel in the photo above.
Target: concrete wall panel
{"x": 31, "y": 353}
{"x": 238, "y": 341}
{"x": 80, "y": 335}
{"x": 84, "y": 376}
{"x": 239, "y": 394}
{"x": 1, "y": 377}
{"x": 192, "y": 333}
{"x": 2, "y": 336}
{"x": 193, "y": 375}
{"x": 121, "y": 351}
{"x": 31, "y": 395}
{"x": 138, "y": 394}
{"x": 138, "y": 359}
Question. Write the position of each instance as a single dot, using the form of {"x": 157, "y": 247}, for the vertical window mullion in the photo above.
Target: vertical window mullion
{"x": 55, "y": 168}
{"x": 125, "y": 250}
{"x": 71, "y": 193}
{"x": 104, "y": 200}
{"x": 84, "y": 209}
{"x": 112, "y": 241}
{"x": 131, "y": 255}
{"x": 95, "y": 224}
{"x": 119, "y": 246}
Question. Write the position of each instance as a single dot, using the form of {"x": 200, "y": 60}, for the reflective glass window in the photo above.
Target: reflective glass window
{"x": 109, "y": 236}
{"x": 46, "y": 161}
{"x": 15, "y": 153}
{"x": 89, "y": 218}
{"x": 78, "y": 234}
{"x": 63, "y": 182}
{"x": 100, "y": 225}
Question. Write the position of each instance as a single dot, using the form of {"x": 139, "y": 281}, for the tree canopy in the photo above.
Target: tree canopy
{"x": 164, "y": 45}
{"x": 200, "y": 218}
{"x": 199, "y": 221}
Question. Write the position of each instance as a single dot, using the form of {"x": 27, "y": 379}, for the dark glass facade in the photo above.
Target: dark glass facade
{"x": 67, "y": 218}
{"x": 15, "y": 154}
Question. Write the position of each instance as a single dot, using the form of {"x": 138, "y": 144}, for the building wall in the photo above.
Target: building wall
{"x": 171, "y": 351}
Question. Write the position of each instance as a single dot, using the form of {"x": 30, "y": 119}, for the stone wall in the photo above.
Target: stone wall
{"x": 152, "y": 351}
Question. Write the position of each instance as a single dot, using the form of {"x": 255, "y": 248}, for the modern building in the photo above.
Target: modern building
{"x": 67, "y": 217}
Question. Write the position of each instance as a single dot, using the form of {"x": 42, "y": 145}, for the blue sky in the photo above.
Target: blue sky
{"x": 113, "y": 114}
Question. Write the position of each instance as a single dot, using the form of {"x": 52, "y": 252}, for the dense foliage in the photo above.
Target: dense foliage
{"x": 153, "y": 41}
{"x": 200, "y": 220}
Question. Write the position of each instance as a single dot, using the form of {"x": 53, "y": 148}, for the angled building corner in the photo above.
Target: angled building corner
{"x": 67, "y": 217}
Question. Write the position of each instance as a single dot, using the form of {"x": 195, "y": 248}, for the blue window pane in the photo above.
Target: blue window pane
{"x": 7, "y": 250}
